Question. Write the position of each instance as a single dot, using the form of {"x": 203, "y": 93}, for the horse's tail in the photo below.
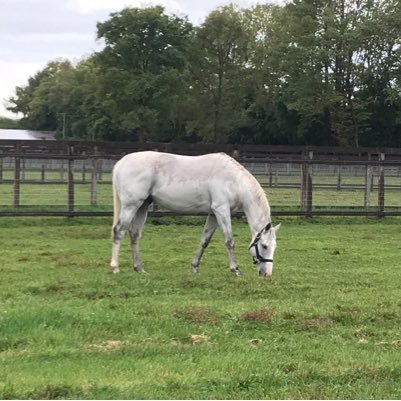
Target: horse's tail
{"x": 116, "y": 200}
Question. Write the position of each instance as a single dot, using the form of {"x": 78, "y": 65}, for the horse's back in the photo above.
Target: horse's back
{"x": 168, "y": 164}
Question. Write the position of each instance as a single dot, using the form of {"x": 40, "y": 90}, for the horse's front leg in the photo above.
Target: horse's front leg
{"x": 208, "y": 231}
{"x": 224, "y": 220}
{"x": 231, "y": 256}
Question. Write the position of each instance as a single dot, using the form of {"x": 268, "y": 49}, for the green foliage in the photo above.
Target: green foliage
{"x": 310, "y": 72}
{"x": 9, "y": 123}
{"x": 219, "y": 72}
{"x": 326, "y": 326}
{"x": 142, "y": 66}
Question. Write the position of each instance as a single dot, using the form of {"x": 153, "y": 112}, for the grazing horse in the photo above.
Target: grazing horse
{"x": 214, "y": 184}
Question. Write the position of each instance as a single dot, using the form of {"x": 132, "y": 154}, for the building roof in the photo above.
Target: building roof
{"x": 26, "y": 134}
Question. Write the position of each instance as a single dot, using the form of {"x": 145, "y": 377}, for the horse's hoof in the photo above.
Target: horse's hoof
{"x": 115, "y": 270}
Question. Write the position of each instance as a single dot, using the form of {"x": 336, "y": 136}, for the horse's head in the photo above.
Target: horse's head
{"x": 262, "y": 249}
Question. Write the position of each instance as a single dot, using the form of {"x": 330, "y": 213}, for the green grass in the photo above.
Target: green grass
{"x": 326, "y": 326}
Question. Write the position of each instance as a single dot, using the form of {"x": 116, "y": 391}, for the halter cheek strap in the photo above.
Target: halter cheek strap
{"x": 258, "y": 258}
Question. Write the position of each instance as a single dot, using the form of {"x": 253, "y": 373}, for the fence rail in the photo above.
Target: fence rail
{"x": 49, "y": 178}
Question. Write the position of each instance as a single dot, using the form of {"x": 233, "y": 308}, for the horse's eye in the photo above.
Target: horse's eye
{"x": 264, "y": 246}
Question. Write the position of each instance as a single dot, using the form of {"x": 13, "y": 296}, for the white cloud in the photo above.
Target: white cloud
{"x": 14, "y": 74}
{"x": 90, "y": 6}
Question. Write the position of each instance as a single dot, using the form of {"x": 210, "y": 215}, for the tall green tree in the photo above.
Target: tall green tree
{"x": 142, "y": 71}
{"x": 326, "y": 48}
{"x": 220, "y": 74}
{"x": 41, "y": 100}
{"x": 380, "y": 70}
{"x": 270, "y": 120}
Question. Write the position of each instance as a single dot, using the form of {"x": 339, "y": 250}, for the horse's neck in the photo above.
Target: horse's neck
{"x": 257, "y": 211}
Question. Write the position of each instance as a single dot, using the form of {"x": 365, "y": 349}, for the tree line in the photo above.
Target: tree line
{"x": 318, "y": 72}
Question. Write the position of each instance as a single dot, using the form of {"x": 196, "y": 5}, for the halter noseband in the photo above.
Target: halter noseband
{"x": 258, "y": 258}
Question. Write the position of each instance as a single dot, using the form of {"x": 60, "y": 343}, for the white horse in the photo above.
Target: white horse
{"x": 214, "y": 184}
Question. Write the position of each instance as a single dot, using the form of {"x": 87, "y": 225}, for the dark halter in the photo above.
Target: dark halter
{"x": 258, "y": 258}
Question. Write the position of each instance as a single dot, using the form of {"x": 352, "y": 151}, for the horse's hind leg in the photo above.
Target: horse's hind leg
{"x": 126, "y": 216}
{"x": 208, "y": 231}
{"x": 135, "y": 232}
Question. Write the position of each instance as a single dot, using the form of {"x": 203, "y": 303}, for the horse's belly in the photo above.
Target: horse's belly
{"x": 182, "y": 199}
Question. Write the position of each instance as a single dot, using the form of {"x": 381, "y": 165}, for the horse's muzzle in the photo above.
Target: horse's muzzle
{"x": 266, "y": 269}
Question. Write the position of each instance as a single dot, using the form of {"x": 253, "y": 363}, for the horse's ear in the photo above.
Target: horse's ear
{"x": 277, "y": 227}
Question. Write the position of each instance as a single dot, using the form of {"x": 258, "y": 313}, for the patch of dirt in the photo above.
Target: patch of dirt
{"x": 52, "y": 392}
{"x": 392, "y": 342}
{"x": 199, "y": 339}
{"x": 316, "y": 322}
{"x": 260, "y": 315}
{"x": 197, "y": 315}
{"x": 109, "y": 345}
{"x": 54, "y": 288}
{"x": 289, "y": 368}
{"x": 255, "y": 342}
{"x": 63, "y": 260}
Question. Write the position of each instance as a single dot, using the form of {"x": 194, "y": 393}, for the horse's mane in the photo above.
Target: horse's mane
{"x": 256, "y": 188}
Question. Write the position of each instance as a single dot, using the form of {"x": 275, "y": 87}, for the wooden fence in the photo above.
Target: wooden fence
{"x": 52, "y": 178}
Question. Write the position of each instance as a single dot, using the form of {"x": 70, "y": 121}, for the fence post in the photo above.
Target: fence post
{"x": 309, "y": 194}
{"x": 23, "y": 170}
{"x": 17, "y": 180}
{"x": 94, "y": 178}
{"x": 70, "y": 179}
{"x": 270, "y": 175}
{"x": 100, "y": 169}
{"x": 84, "y": 168}
{"x": 306, "y": 184}
{"x": 303, "y": 183}
{"x": 62, "y": 171}
{"x": 339, "y": 179}
{"x": 381, "y": 186}
{"x": 368, "y": 183}
{"x": 1, "y": 167}
{"x": 42, "y": 172}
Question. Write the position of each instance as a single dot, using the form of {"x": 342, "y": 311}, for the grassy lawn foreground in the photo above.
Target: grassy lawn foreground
{"x": 327, "y": 325}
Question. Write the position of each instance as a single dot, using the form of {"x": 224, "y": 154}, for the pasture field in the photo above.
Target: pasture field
{"x": 327, "y": 325}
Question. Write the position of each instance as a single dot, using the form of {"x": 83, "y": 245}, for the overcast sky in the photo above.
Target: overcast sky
{"x": 34, "y": 32}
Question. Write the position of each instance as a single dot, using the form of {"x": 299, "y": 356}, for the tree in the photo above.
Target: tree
{"x": 41, "y": 100}
{"x": 142, "y": 70}
{"x": 270, "y": 120}
{"x": 9, "y": 123}
{"x": 327, "y": 49}
{"x": 219, "y": 74}
{"x": 381, "y": 73}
